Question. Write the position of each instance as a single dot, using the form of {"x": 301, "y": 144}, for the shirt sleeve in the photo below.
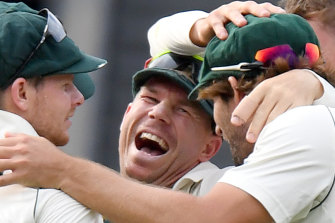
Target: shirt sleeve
{"x": 54, "y": 206}
{"x": 291, "y": 167}
{"x": 172, "y": 33}
{"x": 328, "y": 97}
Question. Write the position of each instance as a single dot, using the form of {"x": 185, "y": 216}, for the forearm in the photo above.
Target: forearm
{"x": 122, "y": 200}
{"x": 38, "y": 163}
{"x": 172, "y": 33}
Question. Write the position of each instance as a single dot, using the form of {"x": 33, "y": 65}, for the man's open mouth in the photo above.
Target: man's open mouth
{"x": 151, "y": 144}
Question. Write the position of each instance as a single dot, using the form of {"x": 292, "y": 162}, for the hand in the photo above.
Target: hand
{"x": 273, "y": 97}
{"x": 205, "y": 29}
{"x": 34, "y": 161}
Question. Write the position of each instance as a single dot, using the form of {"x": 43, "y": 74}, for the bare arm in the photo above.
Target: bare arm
{"x": 189, "y": 32}
{"x": 36, "y": 162}
{"x": 205, "y": 29}
{"x": 273, "y": 97}
{"x": 122, "y": 200}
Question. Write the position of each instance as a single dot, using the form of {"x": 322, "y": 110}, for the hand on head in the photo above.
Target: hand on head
{"x": 204, "y": 29}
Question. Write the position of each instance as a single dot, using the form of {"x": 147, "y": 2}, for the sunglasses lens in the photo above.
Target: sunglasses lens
{"x": 312, "y": 52}
{"x": 54, "y": 26}
{"x": 177, "y": 62}
{"x": 164, "y": 61}
{"x": 268, "y": 55}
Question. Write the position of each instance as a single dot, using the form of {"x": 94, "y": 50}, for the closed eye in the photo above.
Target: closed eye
{"x": 149, "y": 99}
{"x": 68, "y": 87}
{"x": 183, "y": 110}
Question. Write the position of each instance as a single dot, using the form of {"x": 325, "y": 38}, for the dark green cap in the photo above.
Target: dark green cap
{"x": 144, "y": 75}
{"x": 243, "y": 43}
{"x": 21, "y": 30}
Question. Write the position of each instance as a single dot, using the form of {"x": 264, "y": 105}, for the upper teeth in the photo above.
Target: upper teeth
{"x": 155, "y": 138}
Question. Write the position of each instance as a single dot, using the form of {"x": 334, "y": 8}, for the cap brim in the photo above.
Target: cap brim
{"x": 84, "y": 84}
{"x": 82, "y": 80}
{"x": 216, "y": 75}
{"x": 144, "y": 75}
{"x": 86, "y": 64}
{"x": 193, "y": 95}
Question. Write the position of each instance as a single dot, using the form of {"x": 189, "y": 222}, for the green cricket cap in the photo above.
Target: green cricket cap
{"x": 243, "y": 43}
{"x": 21, "y": 30}
{"x": 142, "y": 76}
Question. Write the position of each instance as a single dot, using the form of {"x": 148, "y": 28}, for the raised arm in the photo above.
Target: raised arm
{"x": 187, "y": 33}
{"x": 206, "y": 28}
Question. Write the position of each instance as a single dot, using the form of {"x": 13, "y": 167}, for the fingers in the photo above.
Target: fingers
{"x": 6, "y": 152}
{"x": 273, "y": 97}
{"x": 219, "y": 30}
{"x": 5, "y": 164}
{"x": 246, "y": 108}
{"x": 11, "y": 134}
{"x": 204, "y": 29}
{"x": 12, "y": 139}
{"x": 272, "y": 8}
{"x": 221, "y": 16}
{"x": 267, "y": 111}
{"x": 234, "y": 12}
{"x": 260, "y": 10}
{"x": 259, "y": 119}
{"x": 7, "y": 179}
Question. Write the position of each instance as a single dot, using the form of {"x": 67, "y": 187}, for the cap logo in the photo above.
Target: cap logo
{"x": 265, "y": 57}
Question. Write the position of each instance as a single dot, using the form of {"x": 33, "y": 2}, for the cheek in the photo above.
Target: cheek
{"x": 128, "y": 129}
{"x": 222, "y": 115}
{"x": 124, "y": 129}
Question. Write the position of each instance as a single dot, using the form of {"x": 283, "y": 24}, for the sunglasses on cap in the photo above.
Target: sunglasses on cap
{"x": 53, "y": 28}
{"x": 265, "y": 57}
{"x": 169, "y": 60}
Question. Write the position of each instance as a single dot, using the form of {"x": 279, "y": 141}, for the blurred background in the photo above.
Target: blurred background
{"x": 115, "y": 30}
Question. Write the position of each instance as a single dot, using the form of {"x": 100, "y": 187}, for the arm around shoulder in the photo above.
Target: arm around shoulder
{"x": 328, "y": 97}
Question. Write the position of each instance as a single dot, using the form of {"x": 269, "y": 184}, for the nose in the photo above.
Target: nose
{"x": 160, "y": 112}
{"x": 78, "y": 98}
{"x": 218, "y": 130}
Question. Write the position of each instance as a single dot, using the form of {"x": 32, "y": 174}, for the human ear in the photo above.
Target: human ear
{"x": 125, "y": 113}
{"x": 211, "y": 148}
{"x": 238, "y": 95}
{"x": 19, "y": 93}
{"x": 128, "y": 108}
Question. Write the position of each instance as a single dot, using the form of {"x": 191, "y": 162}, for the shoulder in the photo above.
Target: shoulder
{"x": 303, "y": 135}
{"x": 305, "y": 124}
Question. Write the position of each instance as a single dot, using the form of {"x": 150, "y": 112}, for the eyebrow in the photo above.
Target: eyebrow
{"x": 149, "y": 88}
{"x": 194, "y": 105}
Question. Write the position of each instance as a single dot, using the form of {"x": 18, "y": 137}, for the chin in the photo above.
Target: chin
{"x": 61, "y": 141}
{"x": 142, "y": 176}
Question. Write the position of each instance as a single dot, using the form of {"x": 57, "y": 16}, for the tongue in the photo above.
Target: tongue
{"x": 151, "y": 151}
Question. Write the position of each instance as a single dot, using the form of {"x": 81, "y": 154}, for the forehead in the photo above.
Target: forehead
{"x": 164, "y": 84}
{"x": 161, "y": 85}
{"x": 57, "y": 78}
